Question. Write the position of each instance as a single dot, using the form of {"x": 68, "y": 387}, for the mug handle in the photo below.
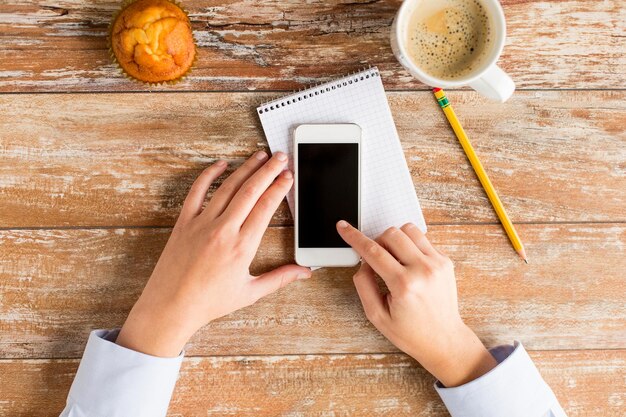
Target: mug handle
{"x": 495, "y": 84}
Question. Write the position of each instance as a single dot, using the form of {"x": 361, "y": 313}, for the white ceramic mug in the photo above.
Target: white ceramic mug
{"x": 489, "y": 80}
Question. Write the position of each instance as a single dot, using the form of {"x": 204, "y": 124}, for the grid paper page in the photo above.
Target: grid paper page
{"x": 387, "y": 192}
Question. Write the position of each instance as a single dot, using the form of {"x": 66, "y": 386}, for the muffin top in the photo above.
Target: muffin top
{"x": 152, "y": 41}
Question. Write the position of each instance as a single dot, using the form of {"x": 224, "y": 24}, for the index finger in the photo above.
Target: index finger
{"x": 261, "y": 215}
{"x": 246, "y": 198}
{"x": 375, "y": 255}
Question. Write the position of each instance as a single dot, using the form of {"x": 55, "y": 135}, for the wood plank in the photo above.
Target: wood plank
{"x": 247, "y": 44}
{"x": 129, "y": 159}
{"x": 585, "y": 382}
{"x": 57, "y": 285}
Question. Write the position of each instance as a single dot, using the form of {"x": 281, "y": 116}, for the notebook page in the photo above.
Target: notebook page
{"x": 387, "y": 191}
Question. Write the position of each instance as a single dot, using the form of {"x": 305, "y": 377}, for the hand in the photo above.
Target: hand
{"x": 203, "y": 272}
{"x": 419, "y": 314}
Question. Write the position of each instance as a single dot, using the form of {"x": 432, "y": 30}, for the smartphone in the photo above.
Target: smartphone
{"x": 327, "y": 165}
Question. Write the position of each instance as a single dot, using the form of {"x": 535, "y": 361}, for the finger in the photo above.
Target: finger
{"x": 245, "y": 199}
{"x": 399, "y": 245}
{"x": 369, "y": 293}
{"x": 231, "y": 185}
{"x": 261, "y": 215}
{"x": 197, "y": 194}
{"x": 274, "y": 280}
{"x": 382, "y": 261}
{"x": 419, "y": 238}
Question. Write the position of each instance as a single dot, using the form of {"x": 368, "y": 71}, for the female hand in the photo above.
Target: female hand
{"x": 419, "y": 314}
{"x": 203, "y": 272}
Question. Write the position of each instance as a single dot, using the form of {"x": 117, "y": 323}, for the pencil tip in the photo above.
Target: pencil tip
{"x": 526, "y": 260}
{"x": 522, "y": 254}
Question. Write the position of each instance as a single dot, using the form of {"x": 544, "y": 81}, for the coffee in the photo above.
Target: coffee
{"x": 449, "y": 39}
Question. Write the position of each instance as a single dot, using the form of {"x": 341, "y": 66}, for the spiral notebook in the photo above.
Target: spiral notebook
{"x": 387, "y": 191}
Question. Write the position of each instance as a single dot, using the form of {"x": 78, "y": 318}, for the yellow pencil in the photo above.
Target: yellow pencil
{"x": 480, "y": 172}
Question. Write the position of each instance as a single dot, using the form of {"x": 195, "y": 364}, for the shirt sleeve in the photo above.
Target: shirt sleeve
{"x": 514, "y": 388}
{"x": 113, "y": 381}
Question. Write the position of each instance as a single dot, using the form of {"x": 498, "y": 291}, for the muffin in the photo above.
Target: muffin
{"x": 151, "y": 40}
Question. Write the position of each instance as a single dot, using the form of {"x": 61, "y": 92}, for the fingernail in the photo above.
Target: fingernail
{"x": 342, "y": 223}
{"x": 261, "y": 155}
{"x": 220, "y": 163}
{"x": 281, "y": 156}
{"x": 287, "y": 174}
{"x": 304, "y": 275}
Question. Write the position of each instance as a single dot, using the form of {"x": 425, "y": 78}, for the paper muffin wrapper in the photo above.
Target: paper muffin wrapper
{"x": 124, "y": 5}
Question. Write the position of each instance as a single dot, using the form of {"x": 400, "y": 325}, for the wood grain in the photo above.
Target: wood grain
{"x": 129, "y": 159}
{"x": 57, "y": 285}
{"x": 587, "y": 383}
{"x": 246, "y": 44}
{"x": 91, "y": 183}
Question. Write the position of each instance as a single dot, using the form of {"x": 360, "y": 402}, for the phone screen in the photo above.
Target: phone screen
{"x": 328, "y": 191}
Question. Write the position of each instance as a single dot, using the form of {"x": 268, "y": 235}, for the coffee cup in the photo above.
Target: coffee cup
{"x": 428, "y": 37}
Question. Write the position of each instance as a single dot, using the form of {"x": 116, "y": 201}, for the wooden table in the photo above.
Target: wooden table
{"x": 94, "y": 168}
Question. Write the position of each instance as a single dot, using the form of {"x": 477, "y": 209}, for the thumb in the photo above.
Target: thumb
{"x": 274, "y": 280}
{"x": 371, "y": 298}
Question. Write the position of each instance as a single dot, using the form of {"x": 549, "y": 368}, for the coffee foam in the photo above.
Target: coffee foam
{"x": 449, "y": 39}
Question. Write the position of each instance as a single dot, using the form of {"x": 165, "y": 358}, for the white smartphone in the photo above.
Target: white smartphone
{"x": 327, "y": 162}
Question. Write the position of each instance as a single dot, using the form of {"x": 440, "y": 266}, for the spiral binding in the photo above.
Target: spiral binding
{"x": 320, "y": 88}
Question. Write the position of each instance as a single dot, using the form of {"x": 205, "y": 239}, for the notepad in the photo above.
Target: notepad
{"x": 387, "y": 192}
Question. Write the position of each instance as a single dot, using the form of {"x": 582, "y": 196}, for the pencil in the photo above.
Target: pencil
{"x": 480, "y": 172}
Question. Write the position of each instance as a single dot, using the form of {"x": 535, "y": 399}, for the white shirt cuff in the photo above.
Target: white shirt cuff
{"x": 113, "y": 381}
{"x": 514, "y": 388}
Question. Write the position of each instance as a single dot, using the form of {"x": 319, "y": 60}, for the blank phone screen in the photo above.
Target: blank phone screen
{"x": 328, "y": 191}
